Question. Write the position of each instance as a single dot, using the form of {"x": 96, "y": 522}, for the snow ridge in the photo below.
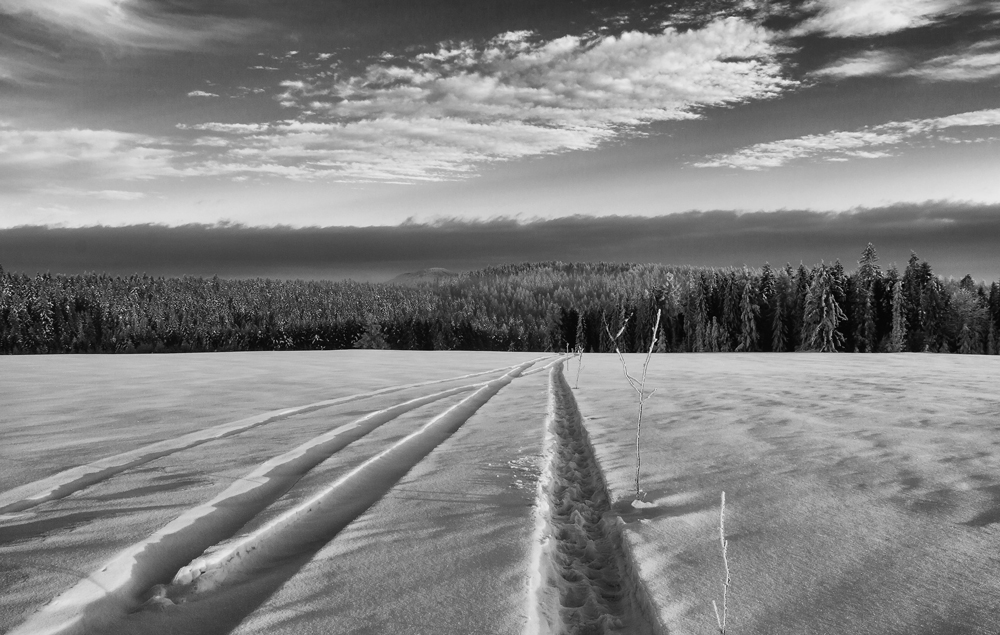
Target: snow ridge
{"x": 584, "y": 581}
{"x": 319, "y": 518}
{"x": 77, "y": 478}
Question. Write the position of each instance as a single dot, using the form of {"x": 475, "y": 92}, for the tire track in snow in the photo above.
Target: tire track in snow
{"x": 583, "y": 580}
{"x": 102, "y": 601}
{"x": 77, "y": 478}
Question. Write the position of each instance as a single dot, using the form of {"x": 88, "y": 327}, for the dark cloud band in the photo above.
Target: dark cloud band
{"x": 955, "y": 239}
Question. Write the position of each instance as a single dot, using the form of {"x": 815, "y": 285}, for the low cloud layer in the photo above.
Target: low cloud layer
{"x": 955, "y": 239}
{"x": 869, "y": 143}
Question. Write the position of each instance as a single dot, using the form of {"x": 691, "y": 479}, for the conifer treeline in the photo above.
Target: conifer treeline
{"x": 527, "y": 307}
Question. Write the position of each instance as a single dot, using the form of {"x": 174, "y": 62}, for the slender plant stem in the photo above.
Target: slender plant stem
{"x": 639, "y": 386}
{"x": 721, "y": 619}
{"x": 579, "y": 367}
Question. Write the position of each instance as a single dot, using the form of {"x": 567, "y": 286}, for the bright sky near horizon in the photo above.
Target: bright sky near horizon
{"x": 369, "y": 112}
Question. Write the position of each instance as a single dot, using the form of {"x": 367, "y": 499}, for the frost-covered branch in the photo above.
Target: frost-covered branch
{"x": 639, "y": 386}
{"x": 721, "y": 618}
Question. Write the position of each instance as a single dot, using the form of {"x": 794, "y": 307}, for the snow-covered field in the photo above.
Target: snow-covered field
{"x": 408, "y": 492}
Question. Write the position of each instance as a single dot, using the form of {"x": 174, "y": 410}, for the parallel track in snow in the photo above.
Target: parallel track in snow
{"x": 134, "y": 591}
{"x": 78, "y": 478}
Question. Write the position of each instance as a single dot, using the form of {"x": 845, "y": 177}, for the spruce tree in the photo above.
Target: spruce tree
{"x": 897, "y": 337}
{"x": 993, "y": 304}
{"x": 803, "y": 278}
{"x": 765, "y": 318}
{"x": 823, "y": 314}
{"x": 748, "y": 318}
{"x": 868, "y": 275}
{"x": 779, "y": 324}
{"x": 581, "y": 334}
{"x": 968, "y": 343}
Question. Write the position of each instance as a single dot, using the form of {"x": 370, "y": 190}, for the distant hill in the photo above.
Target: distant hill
{"x": 424, "y": 275}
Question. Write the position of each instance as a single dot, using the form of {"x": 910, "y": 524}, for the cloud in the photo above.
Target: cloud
{"x": 438, "y": 115}
{"x": 201, "y": 93}
{"x": 955, "y": 238}
{"x": 386, "y": 149}
{"x": 129, "y": 23}
{"x": 21, "y": 69}
{"x": 869, "y": 143}
{"x": 39, "y": 158}
{"x": 108, "y": 195}
{"x": 864, "y": 64}
{"x": 865, "y": 18}
{"x": 979, "y": 61}
{"x": 117, "y": 195}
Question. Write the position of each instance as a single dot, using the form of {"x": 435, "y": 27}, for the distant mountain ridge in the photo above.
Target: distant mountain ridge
{"x": 424, "y": 275}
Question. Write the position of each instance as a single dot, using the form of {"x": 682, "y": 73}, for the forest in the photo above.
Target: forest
{"x": 550, "y": 306}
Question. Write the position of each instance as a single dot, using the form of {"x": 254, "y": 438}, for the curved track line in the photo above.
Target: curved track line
{"x": 77, "y": 478}
{"x": 97, "y": 602}
{"x": 583, "y": 580}
{"x": 558, "y": 360}
{"x": 341, "y": 502}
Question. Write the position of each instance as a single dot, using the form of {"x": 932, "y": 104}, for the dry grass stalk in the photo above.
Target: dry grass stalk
{"x": 579, "y": 366}
{"x": 639, "y": 386}
{"x": 721, "y": 618}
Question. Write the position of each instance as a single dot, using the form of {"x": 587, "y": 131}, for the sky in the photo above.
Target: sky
{"x": 728, "y": 130}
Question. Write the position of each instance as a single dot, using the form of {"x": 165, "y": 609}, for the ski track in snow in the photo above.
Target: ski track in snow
{"x": 77, "y": 478}
{"x": 559, "y": 360}
{"x": 100, "y": 602}
{"x": 584, "y": 581}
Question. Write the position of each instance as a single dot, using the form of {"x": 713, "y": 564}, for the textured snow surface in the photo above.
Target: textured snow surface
{"x": 106, "y": 552}
{"x": 862, "y": 492}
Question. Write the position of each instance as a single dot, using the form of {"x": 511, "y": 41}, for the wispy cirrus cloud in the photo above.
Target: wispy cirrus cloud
{"x": 382, "y": 149}
{"x": 439, "y": 114}
{"x": 107, "y": 195}
{"x": 129, "y": 23}
{"x": 865, "y": 64}
{"x": 976, "y": 62}
{"x": 865, "y": 18}
{"x": 971, "y": 63}
{"x": 41, "y": 158}
{"x": 869, "y": 143}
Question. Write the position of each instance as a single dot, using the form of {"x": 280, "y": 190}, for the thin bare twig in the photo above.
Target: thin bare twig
{"x": 579, "y": 367}
{"x": 639, "y": 386}
{"x": 721, "y": 620}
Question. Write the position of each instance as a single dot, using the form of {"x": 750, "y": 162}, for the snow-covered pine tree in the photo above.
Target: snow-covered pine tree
{"x": 822, "y": 314}
{"x": 897, "y": 337}
{"x": 748, "y": 316}
{"x": 867, "y": 275}
{"x": 372, "y": 337}
{"x": 581, "y": 333}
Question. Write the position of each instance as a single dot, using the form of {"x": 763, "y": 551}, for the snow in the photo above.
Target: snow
{"x": 117, "y": 536}
{"x": 862, "y": 491}
{"x": 862, "y": 494}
